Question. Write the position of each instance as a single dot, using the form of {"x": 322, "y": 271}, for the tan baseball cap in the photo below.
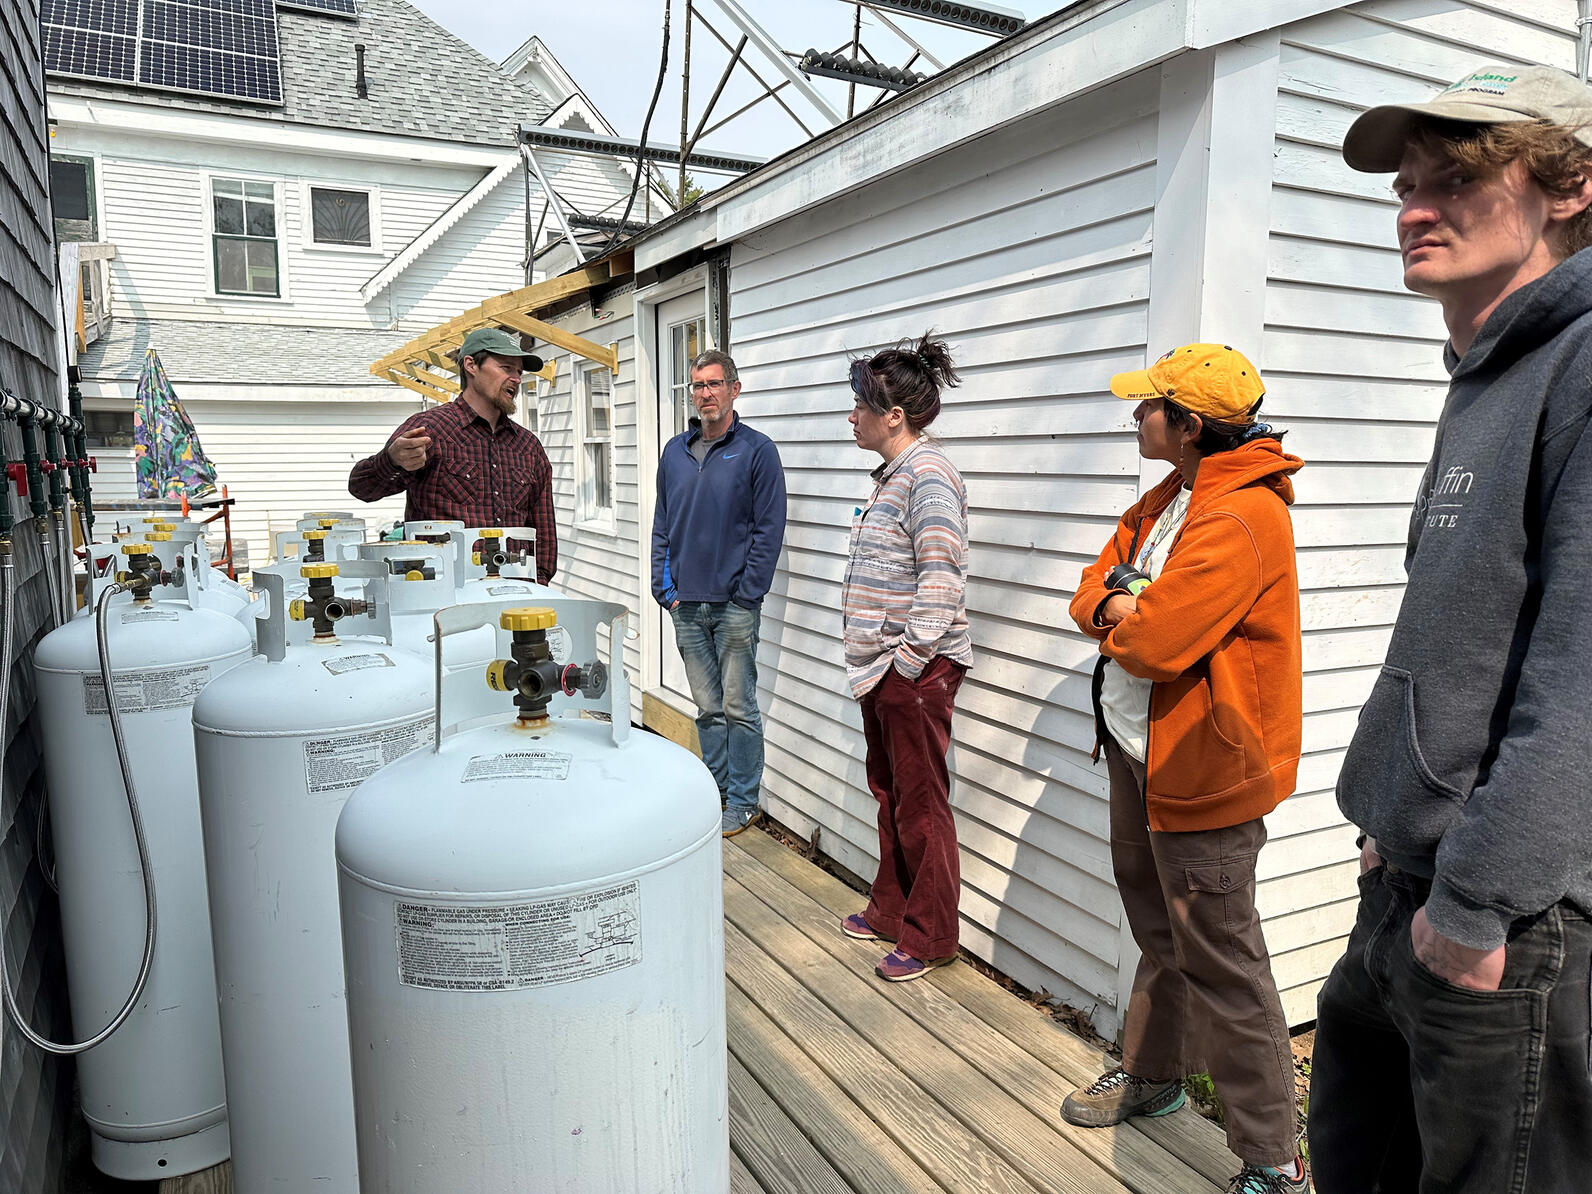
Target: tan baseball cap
{"x": 1375, "y": 142}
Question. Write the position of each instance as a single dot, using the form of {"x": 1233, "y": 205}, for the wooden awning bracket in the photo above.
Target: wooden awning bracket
{"x": 426, "y": 366}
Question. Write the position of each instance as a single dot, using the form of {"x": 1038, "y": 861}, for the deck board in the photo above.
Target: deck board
{"x": 978, "y": 1074}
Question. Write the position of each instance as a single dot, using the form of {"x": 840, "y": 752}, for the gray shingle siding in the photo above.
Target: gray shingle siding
{"x": 35, "y": 1090}
{"x": 423, "y": 81}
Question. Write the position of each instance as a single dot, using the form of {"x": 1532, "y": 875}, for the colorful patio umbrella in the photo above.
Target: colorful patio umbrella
{"x": 166, "y": 449}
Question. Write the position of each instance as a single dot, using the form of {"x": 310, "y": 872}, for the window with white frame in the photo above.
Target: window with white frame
{"x": 340, "y": 217}
{"x": 594, "y": 399}
{"x": 243, "y": 237}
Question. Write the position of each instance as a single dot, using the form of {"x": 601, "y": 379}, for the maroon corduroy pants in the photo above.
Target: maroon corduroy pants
{"x": 907, "y": 726}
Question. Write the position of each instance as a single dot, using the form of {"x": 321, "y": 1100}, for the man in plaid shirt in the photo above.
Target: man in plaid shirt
{"x": 468, "y": 460}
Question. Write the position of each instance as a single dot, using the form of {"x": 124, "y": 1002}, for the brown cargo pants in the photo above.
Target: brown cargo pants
{"x": 1204, "y": 1000}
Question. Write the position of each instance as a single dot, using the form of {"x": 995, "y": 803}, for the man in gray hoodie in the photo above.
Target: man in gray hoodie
{"x": 1452, "y": 1039}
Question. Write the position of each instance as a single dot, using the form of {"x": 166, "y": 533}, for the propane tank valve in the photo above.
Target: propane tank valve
{"x": 492, "y": 552}
{"x": 411, "y": 568}
{"x": 314, "y": 546}
{"x": 531, "y": 674}
{"x": 323, "y": 608}
{"x": 143, "y": 570}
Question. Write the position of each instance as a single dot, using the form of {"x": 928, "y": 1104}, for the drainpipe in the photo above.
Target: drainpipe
{"x": 1583, "y": 41}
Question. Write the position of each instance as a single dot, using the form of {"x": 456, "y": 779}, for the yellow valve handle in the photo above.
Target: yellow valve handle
{"x": 327, "y": 523}
{"x": 490, "y": 533}
{"x": 316, "y": 535}
{"x": 297, "y": 611}
{"x": 318, "y": 571}
{"x": 528, "y": 618}
{"x": 414, "y": 574}
{"x": 137, "y": 548}
{"x": 158, "y": 536}
{"x": 475, "y": 557}
{"x": 162, "y": 526}
{"x": 497, "y": 676}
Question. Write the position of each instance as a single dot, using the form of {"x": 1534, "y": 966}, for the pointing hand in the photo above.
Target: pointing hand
{"x": 408, "y": 451}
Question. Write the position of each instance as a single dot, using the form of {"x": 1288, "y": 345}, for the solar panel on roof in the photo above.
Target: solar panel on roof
{"x": 336, "y": 8}
{"x": 225, "y": 48}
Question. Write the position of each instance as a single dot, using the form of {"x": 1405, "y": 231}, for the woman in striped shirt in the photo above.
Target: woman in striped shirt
{"x": 904, "y": 614}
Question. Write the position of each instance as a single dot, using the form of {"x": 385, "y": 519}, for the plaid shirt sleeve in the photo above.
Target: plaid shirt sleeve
{"x": 542, "y": 515}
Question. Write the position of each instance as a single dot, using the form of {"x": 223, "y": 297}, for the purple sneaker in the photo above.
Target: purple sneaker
{"x": 897, "y": 967}
{"x": 856, "y": 925}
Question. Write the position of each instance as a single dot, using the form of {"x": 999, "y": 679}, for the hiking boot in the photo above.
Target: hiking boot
{"x": 1263, "y": 1179}
{"x": 734, "y": 820}
{"x": 1116, "y": 1095}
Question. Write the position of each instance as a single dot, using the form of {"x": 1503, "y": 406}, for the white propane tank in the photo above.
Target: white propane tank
{"x": 421, "y": 580}
{"x": 152, "y": 1094}
{"x": 533, "y": 945}
{"x": 282, "y": 741}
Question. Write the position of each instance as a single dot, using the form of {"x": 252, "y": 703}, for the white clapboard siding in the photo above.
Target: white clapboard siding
{"x": 596, "y": 561}
{"x": 1354, "y": 366}
{"x": 1029, "y": 251}
{"x": 278, "y": 460}
{"x": 480, "y": 257}
{"x": 155, "y": 192}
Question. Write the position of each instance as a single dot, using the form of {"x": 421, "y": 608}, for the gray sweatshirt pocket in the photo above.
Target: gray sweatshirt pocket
{"x": 1386, "y": 784}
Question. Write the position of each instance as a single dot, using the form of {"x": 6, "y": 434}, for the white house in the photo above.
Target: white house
{"x": 1116, "y": 179}
{"x": 269, "y": 252}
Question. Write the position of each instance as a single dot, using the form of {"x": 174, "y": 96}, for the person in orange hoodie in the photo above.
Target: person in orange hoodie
{"x": 1195, "y": 602}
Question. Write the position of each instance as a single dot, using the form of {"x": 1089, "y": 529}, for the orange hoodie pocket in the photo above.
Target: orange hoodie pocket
{"x": 1190, "y": 754}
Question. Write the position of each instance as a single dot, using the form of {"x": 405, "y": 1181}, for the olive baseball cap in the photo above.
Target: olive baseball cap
{"x": 499, "y": 343}
{"x": 1375, "y": 142}
{"x": 1213, "y": 380}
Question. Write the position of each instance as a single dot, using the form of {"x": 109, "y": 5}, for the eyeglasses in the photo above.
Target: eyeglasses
{"x": 705, "y": 387}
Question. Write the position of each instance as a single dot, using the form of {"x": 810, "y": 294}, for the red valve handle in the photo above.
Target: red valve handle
{"x": 19, "y": 477}
{"x": 46, "y": 467}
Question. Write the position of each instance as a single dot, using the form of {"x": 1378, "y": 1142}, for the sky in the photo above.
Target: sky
{"x": 610, "y": 48}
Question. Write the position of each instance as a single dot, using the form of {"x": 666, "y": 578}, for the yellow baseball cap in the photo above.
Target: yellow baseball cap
{"x": 1213, "y": 380}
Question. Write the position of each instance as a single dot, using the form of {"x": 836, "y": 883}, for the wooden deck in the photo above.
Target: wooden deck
{"x": 841, "y": 1083}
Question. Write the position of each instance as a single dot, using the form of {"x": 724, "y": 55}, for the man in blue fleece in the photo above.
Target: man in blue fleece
{"x": 716, "y": 535}
{"x": 1452, "y": 1039}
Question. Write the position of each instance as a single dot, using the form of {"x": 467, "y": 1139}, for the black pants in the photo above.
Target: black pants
{"x": 1421, "y": 1086}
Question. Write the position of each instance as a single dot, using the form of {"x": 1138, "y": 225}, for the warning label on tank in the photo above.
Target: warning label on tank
{"x": 332, "y": 764}
{"x": 512, "y": 947}
{"x": 558, "y": 644}
{"x": 518, "y": 764}
{"x": 356, "y": 663}
{"x": 152, "y": 614}
{"x": 508, "y": 590}
{"x": 159, "y": 688}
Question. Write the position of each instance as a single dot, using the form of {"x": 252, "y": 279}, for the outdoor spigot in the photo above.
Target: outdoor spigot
{"x": 143, "y": 570}
{"x": 531, "y": 675}
{"x": 323, "y": 608}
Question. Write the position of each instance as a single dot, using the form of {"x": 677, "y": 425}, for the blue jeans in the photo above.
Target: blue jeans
{"x": 718, "y": 644}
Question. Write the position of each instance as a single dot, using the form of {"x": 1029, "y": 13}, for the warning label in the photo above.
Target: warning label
{"x": 160, "y": 688}
{"x": 519, "y": 764}
{"x": 356, "y": 663}
{"x": 508, "y": 590}
{"x": 558, "y": 644}
{"x": 151, "y": 614}
{"x": 331, "y": 764}
{"x": 512, "y": 947}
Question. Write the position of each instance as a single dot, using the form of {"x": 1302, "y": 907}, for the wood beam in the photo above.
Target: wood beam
{"x": 559, "y": 338}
